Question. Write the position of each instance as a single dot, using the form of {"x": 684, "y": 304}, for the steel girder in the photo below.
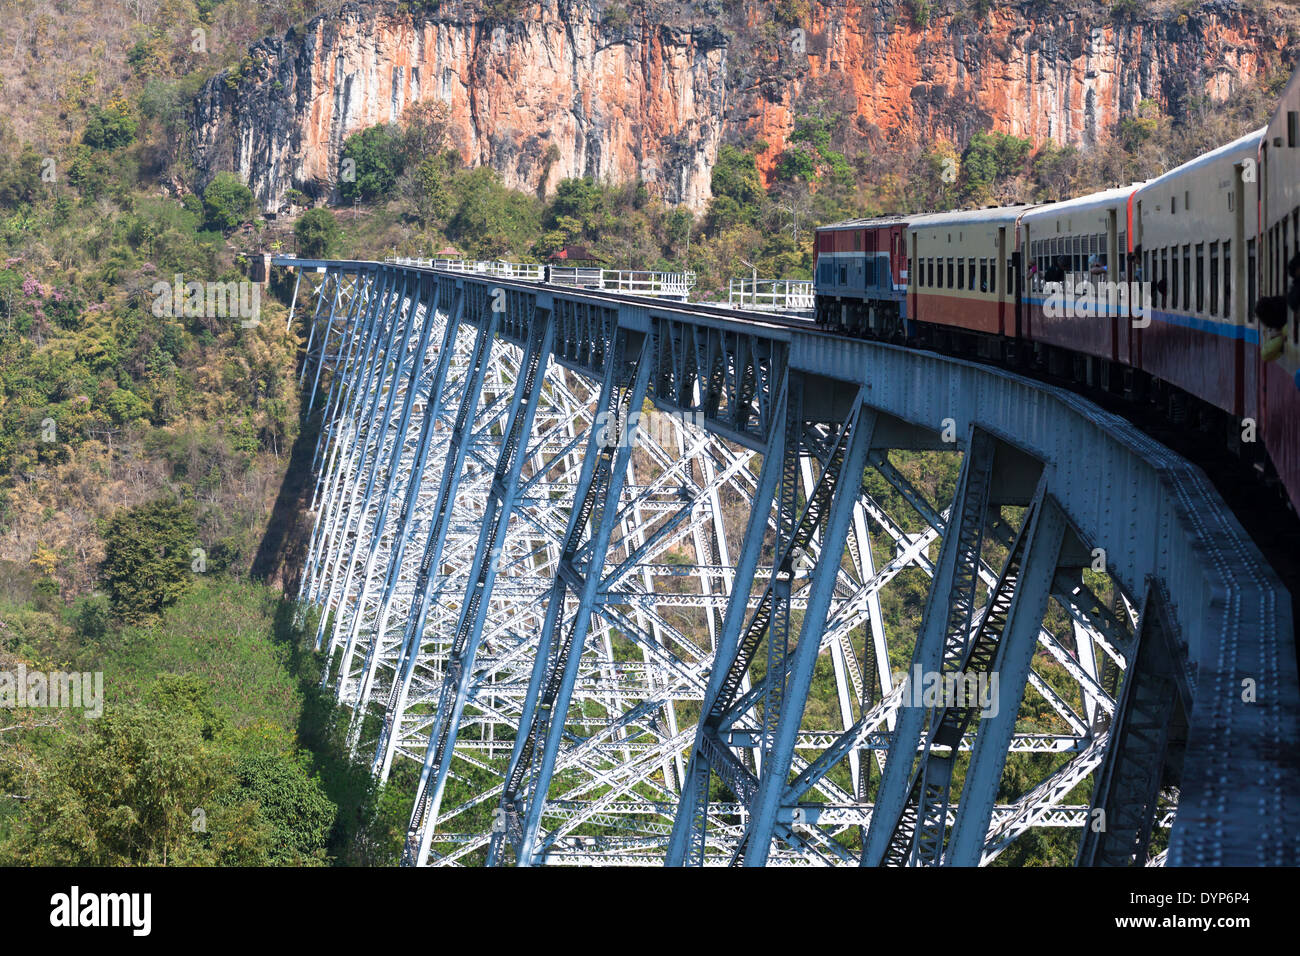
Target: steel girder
{"x": 530, "y": 584}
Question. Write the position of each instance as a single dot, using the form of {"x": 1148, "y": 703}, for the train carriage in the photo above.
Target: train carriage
{"x": 1196, "y": 228}
{"x": 965, "y": 274}
{"x": 1279, "y": 265}
{"x": 1078, "y": 266}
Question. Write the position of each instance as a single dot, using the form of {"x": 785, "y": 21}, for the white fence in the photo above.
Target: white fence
{"x": 528, "y": 271}
{"x": 676, "y": 285}
{"x": 771, "y": 295}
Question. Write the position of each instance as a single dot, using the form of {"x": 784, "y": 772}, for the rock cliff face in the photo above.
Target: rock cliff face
{"x": 586, "y": 88}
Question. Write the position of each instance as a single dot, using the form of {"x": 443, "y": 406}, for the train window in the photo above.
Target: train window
{"x": 844, "y": 275}
{"x": 993, "y": 274}
{"x": 1214, "y": 278}
{"x": 971, "y": 274}
{"x": 1173, "y": 205}
{"x": 1187, "y": 200}
{"x": 1173, "y": 281}
{"x": 961, "y": 273}
{"x": 1187, "y": 278}
{"x": 1227, "y": 279}
{"x": 857, "y": 241}
{"x": 1250, "y": 280}
{"x": 1276, "y": 252}
{"x": 930, "y": 277}
{"x": 1164, "y": 275}
{"x": 1282, "y": 255}
{"x": 1232, "y": 197}
{"x": 952, "y": 274}
{"x": 1292, "y": 130}
{"x": 984, "y": 275}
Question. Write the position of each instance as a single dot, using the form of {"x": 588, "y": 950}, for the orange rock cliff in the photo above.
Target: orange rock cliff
{"x": 653, "y": 91}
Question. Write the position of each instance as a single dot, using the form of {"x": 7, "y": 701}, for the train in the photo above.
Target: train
{"x": 1182, "y": 291}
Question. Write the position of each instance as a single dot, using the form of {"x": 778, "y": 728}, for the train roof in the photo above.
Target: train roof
{"x": 1241, "y": 143}
{"x": 1097, "y": 200}
{"x": 969, "y": 217}
{"x": 864, "y": 223}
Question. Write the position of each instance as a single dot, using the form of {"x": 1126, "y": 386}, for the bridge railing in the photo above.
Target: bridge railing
{"x": 631, "y": 281}
{"x": 528, "y": 271}
{"x": 770, "y": 295}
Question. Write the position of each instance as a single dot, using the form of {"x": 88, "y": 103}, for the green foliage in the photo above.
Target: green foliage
{"x": 109, "y": 127}
{"x": 122, "y": 793}
{"x": 291, "y": 807}
{"x": 432, "y": 191}
{"x": 920, "y": 12}
{"x": 810, "y": 157}
{"x": 317, "y": 233}
{"x": 20, "y": 178}
{"x": 735, "y": 176}
{"x": 990, "y": 157}
{"x": 379, "y": 155}
{"x": 491, "y": 220}
{"x": 148, "y": 559}
{"x": 227, "y": 202}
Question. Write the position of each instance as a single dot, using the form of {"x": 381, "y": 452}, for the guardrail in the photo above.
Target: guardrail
{"x": 770, "y": 295}
{"x": 676, "y": 285}
{"x": 528, "y": 271}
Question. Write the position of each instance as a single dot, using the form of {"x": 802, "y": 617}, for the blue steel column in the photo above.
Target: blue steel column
{"x": 406, "y": 518}
{"x": 461, "y": 434}
{"x": 414, "y": 360}
{"x": 556, "y": 664}
{"x": 776, "y": 763}
{"x": 993, "y": 740}
{"x": 958, "y": 557}
{"x": 1126, "y": 789}
{"x": 686, "y": 846}
{"x": 392, "y": 483}
{"x": 359, "y": 460}
{"x": 469, "y": 630}
{"x": 334, "y": 423}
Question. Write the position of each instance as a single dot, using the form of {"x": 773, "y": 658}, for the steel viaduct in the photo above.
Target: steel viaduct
{"x": 612, "y": 579}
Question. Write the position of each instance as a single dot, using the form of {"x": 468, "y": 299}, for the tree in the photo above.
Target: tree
{"x": 317, "y": 233}
{"x": 148, "y": 559}
{"x": 1055, "y": 169}
{"x": 378, "y": 156}
{"x": 575, "y": 209}
{"x": 735, "y": 177}
{"x": 109, "y": 127}
{"x": 122, "y": 794}
{"x": 227, "y": 202}
{"x": 20, "y": 179}
{"x": 291, "y": 806}
{"x": 430, "y": 192}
